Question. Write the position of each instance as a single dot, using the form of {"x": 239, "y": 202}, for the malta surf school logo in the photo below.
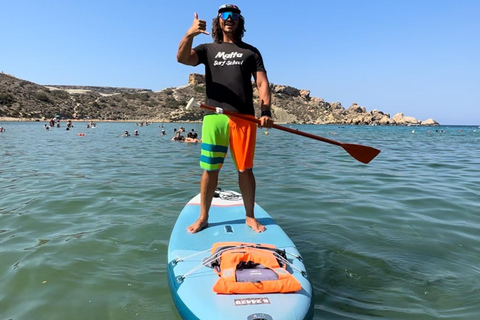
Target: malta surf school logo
{"x": 228, "y": 59}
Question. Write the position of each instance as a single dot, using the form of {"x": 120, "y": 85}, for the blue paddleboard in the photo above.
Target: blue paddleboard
{"x": 191, "y": 281}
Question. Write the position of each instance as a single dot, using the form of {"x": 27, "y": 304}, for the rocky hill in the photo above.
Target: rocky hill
{"x": 27, "y": 100}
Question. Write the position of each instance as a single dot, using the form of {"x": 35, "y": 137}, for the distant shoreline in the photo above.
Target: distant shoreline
{"x": 10, "y": 119}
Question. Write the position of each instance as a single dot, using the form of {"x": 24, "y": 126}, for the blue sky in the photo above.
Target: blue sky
{"x": 419, "y": 57}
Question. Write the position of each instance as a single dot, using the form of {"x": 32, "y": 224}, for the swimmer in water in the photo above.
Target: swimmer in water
{"x": 178, "y": 137}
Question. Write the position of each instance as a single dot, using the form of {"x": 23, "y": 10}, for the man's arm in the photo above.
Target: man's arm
{"x": 264, "y": 95}
{"x": 185, "y": 54}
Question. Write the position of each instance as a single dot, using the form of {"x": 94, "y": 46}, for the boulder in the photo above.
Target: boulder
{"x": 196, "y": 79}
{"x": 400, "y": 119}
{"x": 355, "y": 108}
{"x": 290, "y": 91}
{"x": 385, "y": 120}
{"x": 337, "y": 106}
{"x": 430, "y": 122}
{"x": 317, "y": 101}
{"x": 305, "y": 94}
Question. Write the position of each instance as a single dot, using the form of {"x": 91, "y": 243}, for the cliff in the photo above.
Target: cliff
{"x": 27, "y": 100}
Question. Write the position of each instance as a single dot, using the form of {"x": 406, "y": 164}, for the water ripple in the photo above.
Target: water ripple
{"x": 87, "y": 225}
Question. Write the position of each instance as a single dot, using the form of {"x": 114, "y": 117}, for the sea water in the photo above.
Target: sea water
{"x": 85, "y": 220}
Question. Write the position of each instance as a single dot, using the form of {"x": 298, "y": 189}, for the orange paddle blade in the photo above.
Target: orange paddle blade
{"x": 364, "y": 154}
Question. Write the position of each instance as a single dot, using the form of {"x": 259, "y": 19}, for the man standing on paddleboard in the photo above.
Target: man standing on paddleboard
{"x": 230, "y": 64}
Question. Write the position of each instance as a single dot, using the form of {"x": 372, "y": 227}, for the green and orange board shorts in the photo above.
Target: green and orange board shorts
{"x": 219, "y": 132}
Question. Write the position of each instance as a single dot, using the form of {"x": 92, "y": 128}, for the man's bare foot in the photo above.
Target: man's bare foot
{"x": 199, "y": 225}
{"x": 254, "y": 224}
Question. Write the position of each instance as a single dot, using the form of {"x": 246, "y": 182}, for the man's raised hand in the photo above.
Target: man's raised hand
{"x": 198, "y": 26}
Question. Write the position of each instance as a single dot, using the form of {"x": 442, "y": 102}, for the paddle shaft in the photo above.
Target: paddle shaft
{"x": 276, "y": 126}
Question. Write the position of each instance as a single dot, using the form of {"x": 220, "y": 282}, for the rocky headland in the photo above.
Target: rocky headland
{"x": 25, "y": 100}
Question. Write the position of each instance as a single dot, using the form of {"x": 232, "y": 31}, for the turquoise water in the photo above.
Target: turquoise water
{"x": 85, "y": 221}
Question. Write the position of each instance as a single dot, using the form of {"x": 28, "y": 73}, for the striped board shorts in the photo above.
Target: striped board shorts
{"x": 219, "y": 132}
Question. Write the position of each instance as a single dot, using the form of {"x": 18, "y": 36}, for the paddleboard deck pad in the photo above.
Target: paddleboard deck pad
{"x": 191, "y": 279}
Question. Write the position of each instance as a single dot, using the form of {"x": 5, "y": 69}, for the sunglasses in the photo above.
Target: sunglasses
{"x": 227, "y": 14}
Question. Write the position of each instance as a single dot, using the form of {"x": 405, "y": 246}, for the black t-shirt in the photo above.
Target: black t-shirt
{"x": 228, "y": 74}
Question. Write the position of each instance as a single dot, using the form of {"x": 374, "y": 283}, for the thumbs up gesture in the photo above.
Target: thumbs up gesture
{"x": 198, "y": 26}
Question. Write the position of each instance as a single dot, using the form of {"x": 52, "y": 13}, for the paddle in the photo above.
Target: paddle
{"x": 364, "y": 154}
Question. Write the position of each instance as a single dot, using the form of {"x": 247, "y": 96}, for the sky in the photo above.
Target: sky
{"x": 418, "y": 57}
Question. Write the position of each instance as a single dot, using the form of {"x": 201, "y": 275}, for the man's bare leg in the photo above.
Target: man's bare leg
{"x": 246, "y": 181}
{"x": 208, "y": 184}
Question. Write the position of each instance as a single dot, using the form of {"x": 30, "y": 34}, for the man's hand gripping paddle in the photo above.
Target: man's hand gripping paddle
{"x": 364, "y": 154}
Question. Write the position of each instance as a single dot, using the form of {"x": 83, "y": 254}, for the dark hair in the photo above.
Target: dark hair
{"x": 217, "y": 33}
